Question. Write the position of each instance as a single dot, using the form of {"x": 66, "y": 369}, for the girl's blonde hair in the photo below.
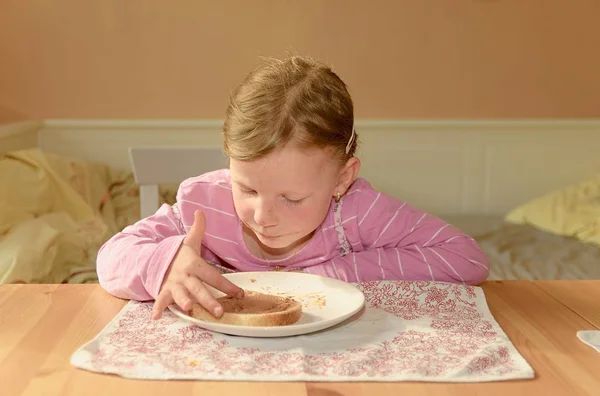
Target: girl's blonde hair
{"x": 295, "y": 100}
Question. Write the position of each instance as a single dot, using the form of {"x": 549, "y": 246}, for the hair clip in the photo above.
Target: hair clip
{"x": 349, "y": 145}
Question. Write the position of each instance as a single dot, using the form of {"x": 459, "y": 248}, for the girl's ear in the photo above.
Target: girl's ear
{"x": 347, "y": 175}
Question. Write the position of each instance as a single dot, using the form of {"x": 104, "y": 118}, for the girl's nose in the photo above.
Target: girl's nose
{"x": 264, "y": 215}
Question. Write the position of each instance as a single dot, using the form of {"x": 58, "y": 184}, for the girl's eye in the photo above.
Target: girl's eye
{"x": 293, "y": 202}
{"x": 248, "y": 192}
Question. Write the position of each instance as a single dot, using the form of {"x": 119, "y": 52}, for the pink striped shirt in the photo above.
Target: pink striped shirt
{"x": 366, "y": 236}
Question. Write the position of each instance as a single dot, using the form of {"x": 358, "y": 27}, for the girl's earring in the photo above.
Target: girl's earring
{"x": 338, "y": 196}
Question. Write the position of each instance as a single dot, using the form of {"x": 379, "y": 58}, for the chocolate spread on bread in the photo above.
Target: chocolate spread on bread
{"x": 254, "y": 309}
{"x": 251, "y": 304}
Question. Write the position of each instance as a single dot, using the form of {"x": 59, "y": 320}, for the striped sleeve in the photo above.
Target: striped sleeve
{"x": 397, "y": 241}
{"x": 133, "y": 263}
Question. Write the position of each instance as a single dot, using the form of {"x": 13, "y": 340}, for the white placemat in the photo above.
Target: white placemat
{"x": 590, "y": 337}
{"x": 421, "y": 331}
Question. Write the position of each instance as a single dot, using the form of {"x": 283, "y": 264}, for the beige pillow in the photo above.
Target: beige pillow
{"x": 571, "y": 211}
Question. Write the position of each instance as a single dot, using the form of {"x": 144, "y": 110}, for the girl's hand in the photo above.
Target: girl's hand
{"x": 184, "y": 283}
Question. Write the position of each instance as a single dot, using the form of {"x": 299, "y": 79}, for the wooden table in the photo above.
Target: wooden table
{"x": 42, "y": 325}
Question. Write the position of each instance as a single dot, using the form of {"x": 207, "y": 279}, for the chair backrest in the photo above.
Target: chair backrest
{"x": 152, "y": 166}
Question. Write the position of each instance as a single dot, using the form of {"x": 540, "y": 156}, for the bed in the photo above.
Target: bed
{"x": 522, "y": 251}
{"x": 56, "y": 212}
{"x": 57, "y": 209}
{"x": 553, "y": 236}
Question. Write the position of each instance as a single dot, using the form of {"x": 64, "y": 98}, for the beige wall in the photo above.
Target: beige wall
{"x": 8, "y": 115}
{"x": 415, "y": 59}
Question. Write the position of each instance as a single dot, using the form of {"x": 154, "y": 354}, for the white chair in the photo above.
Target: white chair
{"x": 152, "y": 166}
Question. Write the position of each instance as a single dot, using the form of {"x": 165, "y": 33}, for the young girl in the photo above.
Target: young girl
{"x": 290, "y": 201}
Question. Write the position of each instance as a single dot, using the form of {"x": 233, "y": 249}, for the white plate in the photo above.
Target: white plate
{"x": 325, "y": 302}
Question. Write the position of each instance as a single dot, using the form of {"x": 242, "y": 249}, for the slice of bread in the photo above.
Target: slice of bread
{"x": 254, "y": 309}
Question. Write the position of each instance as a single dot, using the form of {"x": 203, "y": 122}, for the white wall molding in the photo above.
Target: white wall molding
{"x": 443, "y": 166}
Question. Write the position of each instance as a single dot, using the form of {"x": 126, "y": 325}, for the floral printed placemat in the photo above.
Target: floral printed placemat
{"x": 408, "y": 331}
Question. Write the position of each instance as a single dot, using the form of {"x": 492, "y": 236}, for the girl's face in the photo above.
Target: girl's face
{"x": 283, "y": 197}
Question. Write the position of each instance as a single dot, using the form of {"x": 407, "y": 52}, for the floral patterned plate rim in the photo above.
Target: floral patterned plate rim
{"x": 326, "y": 302}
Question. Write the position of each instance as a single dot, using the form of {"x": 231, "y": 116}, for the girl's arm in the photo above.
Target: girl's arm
{"x": 133, "y": 263}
